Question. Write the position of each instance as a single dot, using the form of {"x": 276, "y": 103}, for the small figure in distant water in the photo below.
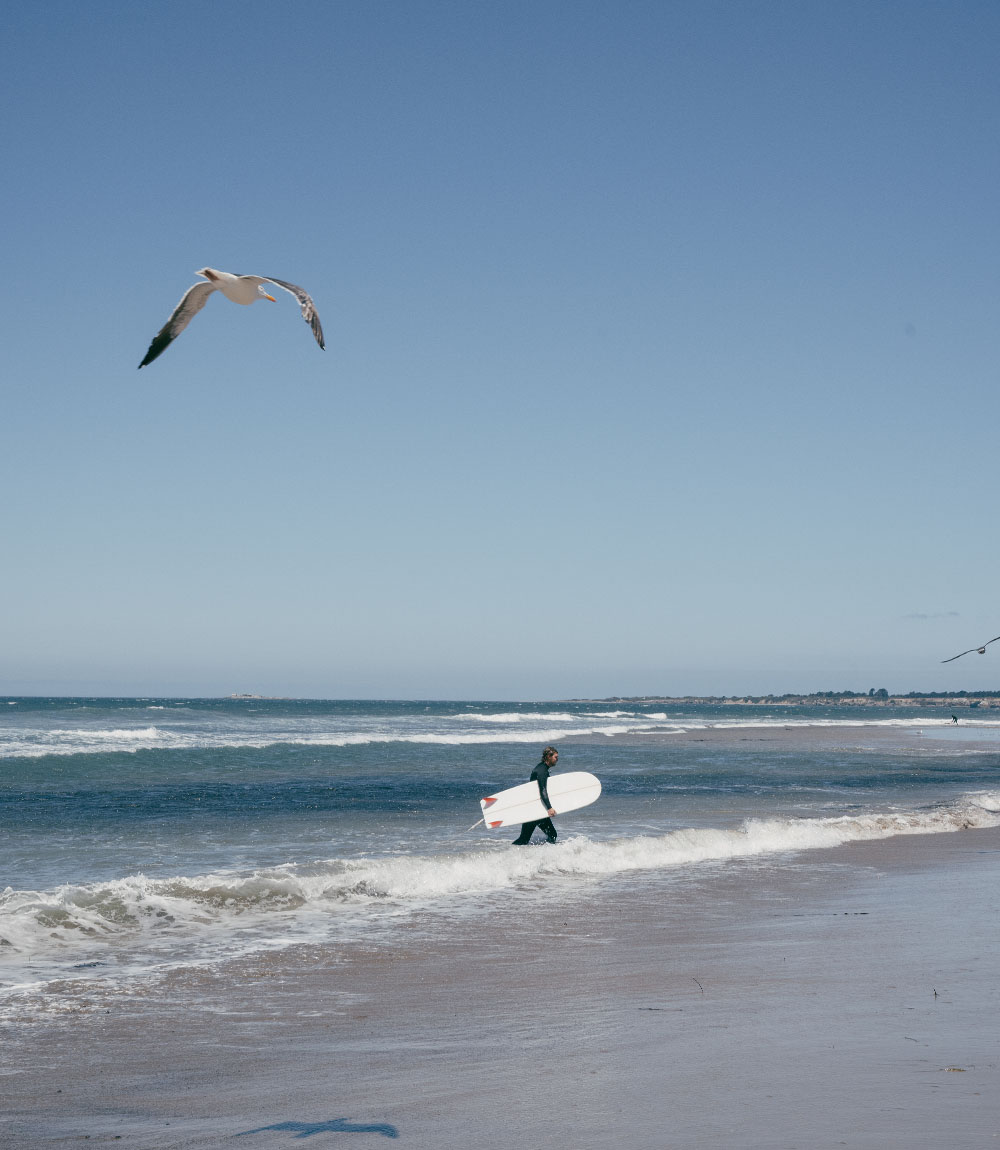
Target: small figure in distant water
{"x": 550, "y": 756}
{"x": 979, "y": 650}
{"x": 954, "y": 718}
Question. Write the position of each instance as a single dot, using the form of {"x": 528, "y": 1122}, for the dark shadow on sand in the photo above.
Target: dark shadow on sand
{"x": 331, "y": 1126}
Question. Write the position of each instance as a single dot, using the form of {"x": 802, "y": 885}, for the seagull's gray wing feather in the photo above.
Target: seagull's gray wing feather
{"x": 982, "y": 648}
{"x": 191, "y": 303}
{"x": 307, "y": 305}
{"x": 959, "y": 655}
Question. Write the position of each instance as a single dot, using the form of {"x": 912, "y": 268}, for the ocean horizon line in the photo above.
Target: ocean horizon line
{"x": 880, "y": 698}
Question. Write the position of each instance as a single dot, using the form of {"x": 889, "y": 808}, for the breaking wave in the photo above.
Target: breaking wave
{"x": 464, "y": 729}
{"x": 143, "y": 923}
{"x": 500, "y": 729}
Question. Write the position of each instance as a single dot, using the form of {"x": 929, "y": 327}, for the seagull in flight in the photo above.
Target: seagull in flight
{"x": 240, "y": 289}
{"x": 979, "y": 650}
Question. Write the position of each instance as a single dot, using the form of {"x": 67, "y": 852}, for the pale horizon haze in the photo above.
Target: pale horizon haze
{"x": 661, "y": 348}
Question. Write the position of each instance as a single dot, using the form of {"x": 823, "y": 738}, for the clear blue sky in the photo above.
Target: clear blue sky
{"x": 662, "y": 347}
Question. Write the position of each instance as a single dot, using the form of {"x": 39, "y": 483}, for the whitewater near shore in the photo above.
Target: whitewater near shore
{"x": 142, "y": 837}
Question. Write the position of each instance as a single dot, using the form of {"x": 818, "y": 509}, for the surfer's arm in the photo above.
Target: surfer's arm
{"x": 543, "y": 778}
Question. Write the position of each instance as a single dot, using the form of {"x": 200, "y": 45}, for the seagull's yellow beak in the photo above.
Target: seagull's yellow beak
{"x": 270, "y": 297}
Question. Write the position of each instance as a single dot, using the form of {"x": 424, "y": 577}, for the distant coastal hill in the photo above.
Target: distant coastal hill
{"x": 872, "y": 698}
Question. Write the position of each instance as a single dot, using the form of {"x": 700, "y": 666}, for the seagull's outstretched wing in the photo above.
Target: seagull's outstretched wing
{"x": 193, "y": 301}
{"x": 307, "y": 305}
{"x": 981, "y": 650}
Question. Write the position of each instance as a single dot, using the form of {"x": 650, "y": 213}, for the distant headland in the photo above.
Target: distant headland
{"x": 872, "y": 698}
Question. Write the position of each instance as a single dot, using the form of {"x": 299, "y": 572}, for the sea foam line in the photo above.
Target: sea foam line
{"x": 290, "y": 902}
{"x": 481, "y": 729}
{"x": 130, "y": 742}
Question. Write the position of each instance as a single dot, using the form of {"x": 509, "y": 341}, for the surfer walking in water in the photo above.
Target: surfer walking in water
{"x": 540, "y": 775}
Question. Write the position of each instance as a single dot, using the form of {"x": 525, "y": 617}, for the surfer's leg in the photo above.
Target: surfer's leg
{"x": 525, "y": 835}
{"x": 548, "y": 827}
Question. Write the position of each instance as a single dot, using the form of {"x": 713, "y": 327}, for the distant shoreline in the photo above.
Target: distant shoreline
{"x": 967, "y": 699}
{"x": 971, "y": 699}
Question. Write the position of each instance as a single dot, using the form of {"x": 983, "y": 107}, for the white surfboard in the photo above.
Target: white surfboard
{"x": 523, "y": 804}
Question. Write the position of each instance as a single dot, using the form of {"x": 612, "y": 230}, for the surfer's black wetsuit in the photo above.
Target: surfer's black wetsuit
{"x": 540, "y": 775}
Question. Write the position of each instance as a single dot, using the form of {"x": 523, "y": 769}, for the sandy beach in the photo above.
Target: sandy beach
{"x": 850, "y": 1002}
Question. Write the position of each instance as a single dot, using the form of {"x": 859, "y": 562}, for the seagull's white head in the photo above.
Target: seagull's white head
{"x": 260, "y": 291}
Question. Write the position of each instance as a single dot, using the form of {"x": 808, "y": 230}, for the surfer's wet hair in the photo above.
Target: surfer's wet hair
{"x": 549, "y": 751}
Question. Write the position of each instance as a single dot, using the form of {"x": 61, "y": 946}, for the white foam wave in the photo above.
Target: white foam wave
{"x": 188, "y": 919}
{"x": 115, "y": 734}
{"x": 468, "y": 728}
{"x": 559, "y": 716}
{"x": 476, "y": 717}
{"x": 537, "y": 717}
{"x": 36, "y": 744}
{"x": 120, "y": 733}
{"x": 540, "y": 735}
{"x": 455, "y": 740}
{"x": 76, "y": 740}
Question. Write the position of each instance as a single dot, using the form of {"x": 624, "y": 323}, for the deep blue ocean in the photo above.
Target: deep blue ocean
{"x": 140, "y": 835}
